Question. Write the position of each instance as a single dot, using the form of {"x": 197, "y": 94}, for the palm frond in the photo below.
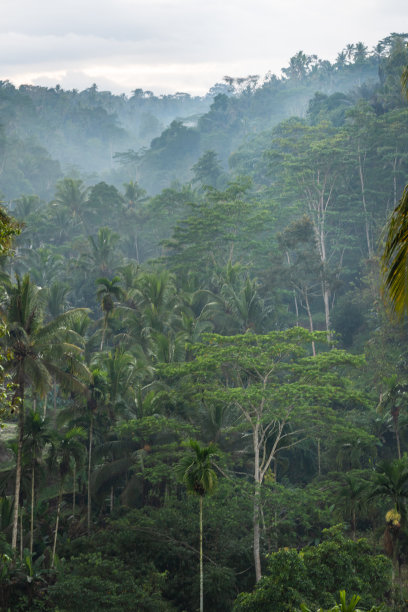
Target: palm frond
{"x": 395, "y": 258}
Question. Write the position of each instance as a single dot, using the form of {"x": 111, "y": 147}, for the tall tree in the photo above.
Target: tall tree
{"x": 65, "y": 449}
{"x": 36, "y": 436}
{"x": 40, "y": 352}
{"x": 107, "y": 291}
{"x": 275, "y": 391}
{"x": 309, "y": 162}
{"x": 198, "y": 474}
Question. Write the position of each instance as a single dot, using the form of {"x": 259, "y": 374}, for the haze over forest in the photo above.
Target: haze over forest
{"x": 195, "y": 338}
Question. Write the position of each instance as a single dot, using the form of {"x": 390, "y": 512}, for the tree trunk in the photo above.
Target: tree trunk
{"x": 21, "y": 534}
{"x": 73, "y": 490}
{"x": 326, "y": 301}
{"x": 311, "y": 327}
{"x": 32, "y": 509}
{"x": 20, "y": 398}
{"x": 54, "y": 548}
{"x": 354, "y": 522}
{"x": 294, "y": 293}
{"x": 366, "y": 217}
{"x": 111, "y": 500}
{"x": 257, "y": 493}
{"x": 395, "y": 416}
{"x": 201, "y": 557}
{"x": 257, "y": 535}
{"x": 319, "y": 468}
{"x": 54, "y": 416}
{"x": 89, "y": 475}
{"x": 105, "y": 325}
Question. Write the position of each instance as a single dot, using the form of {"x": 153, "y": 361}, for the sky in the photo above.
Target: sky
{"x": 168, "y": 46}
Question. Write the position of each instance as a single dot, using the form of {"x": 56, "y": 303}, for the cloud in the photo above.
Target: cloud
{"x": 177, "y": 42}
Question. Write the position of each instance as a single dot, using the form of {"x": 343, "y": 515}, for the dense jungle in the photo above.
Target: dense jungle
{"x": 203, "y": 375}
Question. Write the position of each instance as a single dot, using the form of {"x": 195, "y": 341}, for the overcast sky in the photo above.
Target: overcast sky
{"x": 178, "y": 45}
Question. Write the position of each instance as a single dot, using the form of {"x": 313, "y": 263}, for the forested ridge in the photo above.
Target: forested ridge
{"x": 203, "y": 386}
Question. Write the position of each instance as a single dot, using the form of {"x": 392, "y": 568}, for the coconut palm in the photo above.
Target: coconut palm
{"x": 40, "y": 353}
{"x": 197, "y": 473}
{"x": 101, "y": 257}
{"x": 72, "y": 196}
{"x": 107, "y": 291}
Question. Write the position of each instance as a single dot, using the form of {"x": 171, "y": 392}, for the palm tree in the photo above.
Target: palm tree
{"x": 349, "y": 498}
{"x": 123, "y": 373}
{"x": 237, "y": 307}
{"x": 391, "y": 481}
{"x": 197, "y": 473}
{"x": 101, "y": 256}
{"x": 72, "y": 196}
{"x": 40, "y": 352}
{"x": 36, "y": 436}
{"x": 63, "y": 450}
{"x": 56, "y": 298}
{"x": 107, "y": 291}
{"x": 96, "y": 395}
{"x": 394, "y": 399}
{"x": 158, "y": 300}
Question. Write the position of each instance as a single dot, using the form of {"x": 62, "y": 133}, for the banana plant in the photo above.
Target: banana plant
{"x": 343, "y": 606}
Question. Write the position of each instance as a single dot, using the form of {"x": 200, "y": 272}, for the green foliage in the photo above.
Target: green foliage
{"x": 106, "y": 584}
{"x": 343, "y": 606}
{"x": 196, "y": 469}
{"x": 315, "y": 573}
{"x": 288, "y": 246}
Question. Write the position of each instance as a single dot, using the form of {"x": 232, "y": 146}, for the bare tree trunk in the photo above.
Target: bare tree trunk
{"x": 395, "y": 419}
{"x": 137, "y": 249}
{"x": 257, "y": 493}
{"x": 326, "y": 301}
{"x": 367, "y": 227}
{"x": 32, "y": 509}
{"x": 18, "y": 466}
{"x": 21, "y": 534}
{"x": 294, "y": 294}
{"x": 309, "y": 314}
{"x": 105, "y": 325}
{"x": 398, "y": 442}
{"x": 54, "y": 548}
{"x": 54, "y": 416}
{"x": 201, "y": 557}
{"x": 89, "y": 475}
{"x": 354, "y": 522}
{"x": 45, "y": 406}
{"x": 73, "y": 489}
{"x": 257, "y": 533}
